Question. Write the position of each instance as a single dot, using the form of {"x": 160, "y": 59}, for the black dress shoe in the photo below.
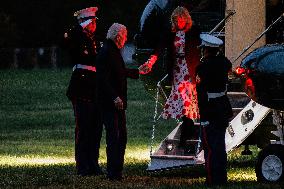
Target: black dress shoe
{"x": 85, "y": 174}
{"x": 96, "y": 172}
{"x": 115, "y": 177}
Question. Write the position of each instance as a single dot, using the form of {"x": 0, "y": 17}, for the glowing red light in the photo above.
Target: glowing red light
{"x": 240, "y": 71}
{"x": 249, "y": 87}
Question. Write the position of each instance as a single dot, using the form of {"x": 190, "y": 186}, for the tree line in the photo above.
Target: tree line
{"x": 39, "y": 23}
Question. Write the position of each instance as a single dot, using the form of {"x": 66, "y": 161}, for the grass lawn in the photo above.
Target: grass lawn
{"x": 37, "y": 140}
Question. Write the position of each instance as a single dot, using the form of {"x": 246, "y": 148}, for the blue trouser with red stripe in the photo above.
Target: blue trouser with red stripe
{"x": 88, "y": 133}
{"x": 213, "y": 140}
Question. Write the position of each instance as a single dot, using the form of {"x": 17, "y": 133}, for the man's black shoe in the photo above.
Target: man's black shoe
{"x": 91, "y": 173}
{"x": 115, "y": 177}
{"x": 98, "y": 172}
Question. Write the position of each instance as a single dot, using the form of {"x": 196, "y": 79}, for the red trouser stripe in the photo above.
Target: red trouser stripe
{"x": 208, "y": 159}
{"x": 76, "y": 122}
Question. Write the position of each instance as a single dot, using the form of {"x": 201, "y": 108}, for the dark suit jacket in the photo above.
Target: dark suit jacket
{"x": 213, "y": 74}
{"x": 112, "y": 75}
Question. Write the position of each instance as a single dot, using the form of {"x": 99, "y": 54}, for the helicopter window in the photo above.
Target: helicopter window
{"x": 274, "y": 8}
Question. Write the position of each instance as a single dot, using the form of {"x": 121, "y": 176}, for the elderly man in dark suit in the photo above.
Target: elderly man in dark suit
{"x": 112, "y": 97}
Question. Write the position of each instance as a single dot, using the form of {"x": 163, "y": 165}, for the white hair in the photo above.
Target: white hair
{"x": 114, "y": 30}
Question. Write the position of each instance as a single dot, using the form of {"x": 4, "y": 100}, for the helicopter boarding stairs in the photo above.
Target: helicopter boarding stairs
{"x": 247, "y": 117}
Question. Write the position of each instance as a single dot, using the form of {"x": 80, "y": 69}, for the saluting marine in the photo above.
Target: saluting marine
{"x": 214, "y": 107}
{"x": 83, "y": 46}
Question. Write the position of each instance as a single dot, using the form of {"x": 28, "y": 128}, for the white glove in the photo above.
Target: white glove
{"x": 204, "y": 123}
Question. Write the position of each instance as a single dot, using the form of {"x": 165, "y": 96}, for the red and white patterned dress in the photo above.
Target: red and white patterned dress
{"x": 183, "y": 98}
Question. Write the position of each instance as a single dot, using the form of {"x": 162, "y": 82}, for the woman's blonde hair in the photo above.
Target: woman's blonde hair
{"x": 181, "y": 12}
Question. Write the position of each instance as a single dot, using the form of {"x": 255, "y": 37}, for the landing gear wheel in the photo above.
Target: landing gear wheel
{"x": 270, "y": 164}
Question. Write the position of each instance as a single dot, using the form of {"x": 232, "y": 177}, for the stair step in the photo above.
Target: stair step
{"x": 237, "y": 110}
{"x": 238, "y": 99}
{"x": 233, "y": 93}
{"x": 193, "y": 140}
{"x": 175, "y": 157}
{"x": 175, "y": 141}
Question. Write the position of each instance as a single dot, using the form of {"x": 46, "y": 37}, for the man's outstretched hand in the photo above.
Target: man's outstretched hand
{"x": 144, "y": 68}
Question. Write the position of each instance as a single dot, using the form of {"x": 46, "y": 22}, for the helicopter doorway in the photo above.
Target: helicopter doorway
{"x": 274, "y": 8}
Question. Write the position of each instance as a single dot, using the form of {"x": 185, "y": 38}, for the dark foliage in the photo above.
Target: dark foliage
{"x": 34, "y": 23}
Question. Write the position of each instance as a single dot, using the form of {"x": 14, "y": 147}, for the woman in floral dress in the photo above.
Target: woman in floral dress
{"x": 183, "y": 57}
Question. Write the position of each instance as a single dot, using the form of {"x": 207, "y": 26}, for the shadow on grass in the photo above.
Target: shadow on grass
{"x": 249, "y": 163}
{"x": 135, "y": 176}
{"x": 252, "y": 185}
{"x": 189, "y": 172}
{"x": 37, "y": 175}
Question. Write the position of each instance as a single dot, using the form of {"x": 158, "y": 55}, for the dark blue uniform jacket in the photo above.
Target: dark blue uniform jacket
{"x": 82, "y": 50}
{"x": 213, "y": 74}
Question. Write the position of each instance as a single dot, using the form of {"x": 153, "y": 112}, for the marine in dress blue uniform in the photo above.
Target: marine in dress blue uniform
{"x": 83, "y": 46}
{"x": 214, "y": 106}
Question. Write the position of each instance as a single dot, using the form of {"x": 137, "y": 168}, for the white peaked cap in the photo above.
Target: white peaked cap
{"x": 210, "y": 41}
{"x": 87, "y": 12}
{"x": 86, "y": 23}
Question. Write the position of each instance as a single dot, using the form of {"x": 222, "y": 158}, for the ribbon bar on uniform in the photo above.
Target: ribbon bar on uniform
{"x": 85, "y": 67}
{"x": 216, "y": 95}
